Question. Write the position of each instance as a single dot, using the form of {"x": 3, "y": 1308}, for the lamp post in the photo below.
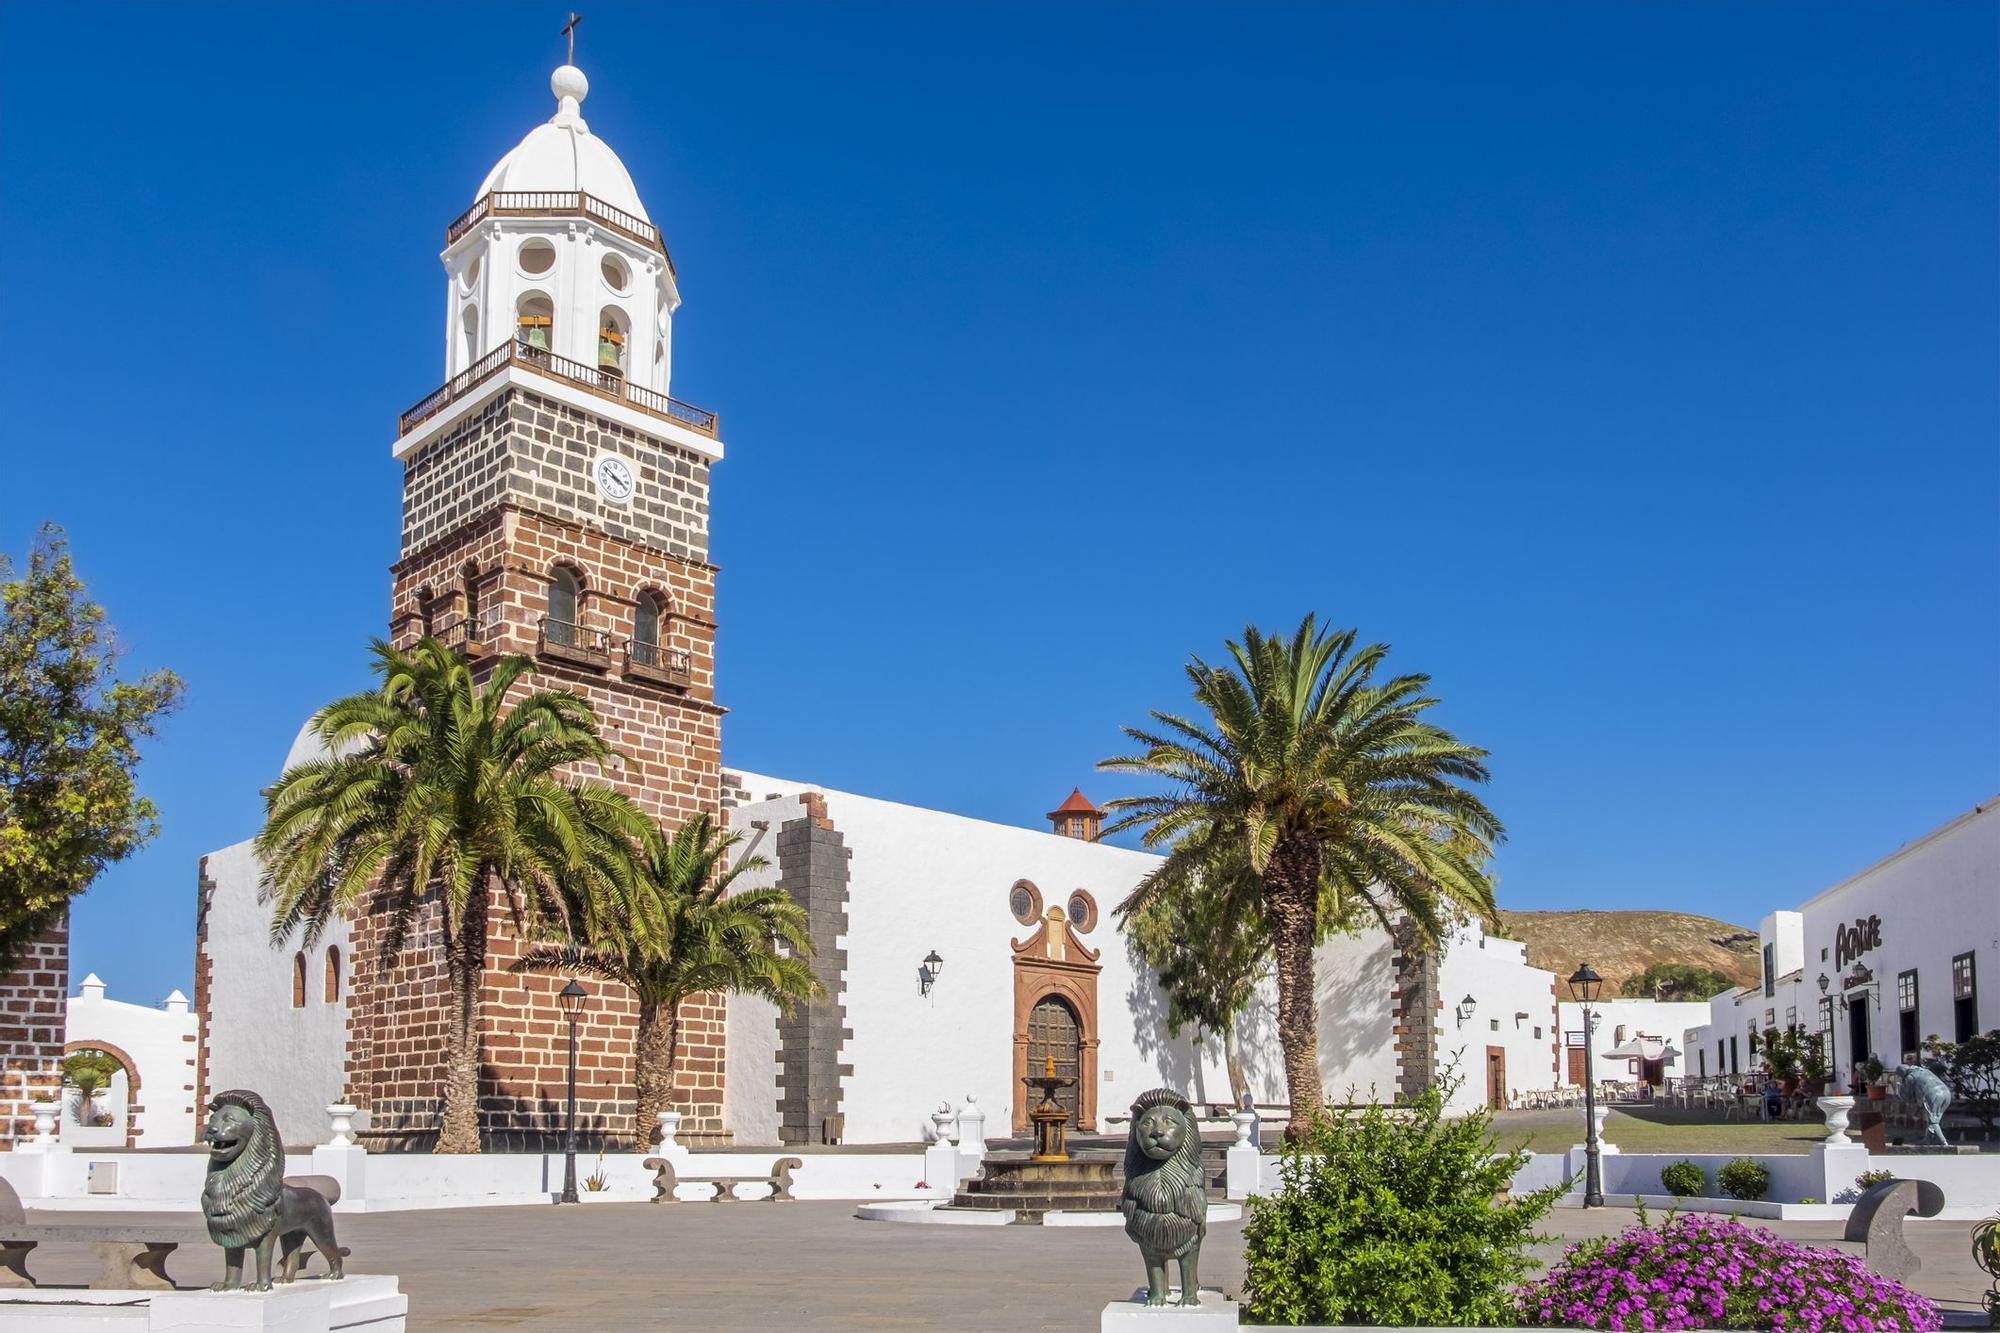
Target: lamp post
{"x": 571, "y": 998}
{"x": 1584, "y": 987}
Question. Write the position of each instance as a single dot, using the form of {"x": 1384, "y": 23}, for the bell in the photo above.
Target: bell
{"x": 535, "y": 336}
{"x": 610, "y": 352}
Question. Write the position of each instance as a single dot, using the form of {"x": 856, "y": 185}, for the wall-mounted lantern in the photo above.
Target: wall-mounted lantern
{"x": 1465, "y": 1008}
{"x": 927, "y": 972}
{"x": 1823, "y": 983}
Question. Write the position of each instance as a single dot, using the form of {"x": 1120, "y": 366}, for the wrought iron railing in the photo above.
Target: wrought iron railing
{"x": 651, "y": 661}
{"x": 574, "y": 642}
{"x": 604, "y": 383}
{"x": 557, "y": 203}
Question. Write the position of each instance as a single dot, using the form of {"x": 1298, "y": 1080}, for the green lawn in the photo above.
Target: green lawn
{"x": 1644, "y": 1129}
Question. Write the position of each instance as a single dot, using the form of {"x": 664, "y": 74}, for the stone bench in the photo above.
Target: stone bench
{"x": 130, "y": 1255}
{"x": 780, "y": 1181}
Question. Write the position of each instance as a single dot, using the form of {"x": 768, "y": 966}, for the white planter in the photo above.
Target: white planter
{"x": 1836, "y": 1109}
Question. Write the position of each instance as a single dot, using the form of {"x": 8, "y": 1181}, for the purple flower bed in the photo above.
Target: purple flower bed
{"x": 1702, "y": 1271}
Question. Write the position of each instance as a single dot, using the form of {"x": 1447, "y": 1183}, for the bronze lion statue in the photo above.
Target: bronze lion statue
{"x": 1165, "y": 1201}
{"x": 245, "y": 1199}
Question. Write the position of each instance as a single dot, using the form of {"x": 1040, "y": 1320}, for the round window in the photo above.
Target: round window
{"x": 469, "y": 279}
{"x": 1082, "y": 911}
{"x": 616, "y": 275}
{"x": 1025, "y": 903}
{"x": 537, "y": 257}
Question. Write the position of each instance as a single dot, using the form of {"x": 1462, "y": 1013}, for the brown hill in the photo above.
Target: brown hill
{"x": 1624, "y": 944}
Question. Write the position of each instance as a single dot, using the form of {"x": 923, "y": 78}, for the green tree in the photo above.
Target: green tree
{"x": 1207, "y": 942}
{"x": 682, "y": 933}
{"x": 1329, "y": 781}
{"x": 69, "y": 740}
{"x": 1676, "y": 981}
{"x": 436, "y": 796}
{"x": 88, "y": 1071}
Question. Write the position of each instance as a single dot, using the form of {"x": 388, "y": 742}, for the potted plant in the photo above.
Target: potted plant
{"x": 1781, "y": 1058}
{"x": 1873, "y": 1072}
{"x": 1812, "y": 1065}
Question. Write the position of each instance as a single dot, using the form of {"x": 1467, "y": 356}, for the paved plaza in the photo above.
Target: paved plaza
{"x": 814, "y": 1265}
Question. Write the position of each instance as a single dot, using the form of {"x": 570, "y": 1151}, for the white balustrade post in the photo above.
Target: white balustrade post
{"x": 670, "y": 1144}
{"x": 343, "y": 1158}
{"x": 1244, "y": 1160}
{"x": 941, "y": 1165}
{"x": 971, "y": 1135}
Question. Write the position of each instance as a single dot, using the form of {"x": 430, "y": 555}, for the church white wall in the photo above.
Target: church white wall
{"x": 160, "y": 1042}
{"x": 293, "y": 1057}
{"x": 750, "y": 1091}
{"x": 1514, "y": 1010}
{"x": 1353, "y": 978}
{"x": 923, "y": 880}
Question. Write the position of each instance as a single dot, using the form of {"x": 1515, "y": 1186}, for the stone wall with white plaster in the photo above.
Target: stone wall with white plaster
{"x": 160, "y": 1042}
{"x": 1620, "y": 1020}
{"x": 923, "y": 881}
{"x": 293, "y": 1055}
{"x": 1514, "y": 1011}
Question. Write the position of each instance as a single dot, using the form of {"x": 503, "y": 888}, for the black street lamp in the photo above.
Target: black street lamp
{"x": 1584, "y": 987}
{"x": 571, "y": 998}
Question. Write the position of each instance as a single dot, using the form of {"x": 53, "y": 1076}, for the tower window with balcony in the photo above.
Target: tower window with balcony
{"x": 535, "y": 323}
{"x": 565, "y": 597}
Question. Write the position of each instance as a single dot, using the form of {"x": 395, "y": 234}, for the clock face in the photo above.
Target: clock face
{"x": 614, "y": 478}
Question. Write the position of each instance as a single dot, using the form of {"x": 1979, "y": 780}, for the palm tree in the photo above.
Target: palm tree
{"x": 683, "y": 933}
{"x": 434, "y": 793}
{"x": 1335, "y": 788}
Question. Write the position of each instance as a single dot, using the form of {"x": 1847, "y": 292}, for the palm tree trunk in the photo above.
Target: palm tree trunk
{"x": 1291, "y": 897}
{"x": 653, "y": 1065}
{"x": 1232, "y": 1060}
{"x": 465, "y": 972}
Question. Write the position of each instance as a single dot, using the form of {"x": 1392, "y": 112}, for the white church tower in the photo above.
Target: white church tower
{"x": 557, "y": 252}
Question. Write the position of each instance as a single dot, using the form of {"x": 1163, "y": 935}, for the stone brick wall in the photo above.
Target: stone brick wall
{"x": 34, "y": 1010}
{"x": 812, "y": 868}
{"x": 467, "y": 538}
{"x": 1418, "y": 1002}
{"x": 204, "y": 989}
{"x": 536, "y": 451}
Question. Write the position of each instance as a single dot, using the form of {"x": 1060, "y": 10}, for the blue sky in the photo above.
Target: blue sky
{"x": 1630, "y": 370}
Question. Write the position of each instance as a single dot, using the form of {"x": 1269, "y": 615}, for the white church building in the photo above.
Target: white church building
{"x": 556, "y": 504}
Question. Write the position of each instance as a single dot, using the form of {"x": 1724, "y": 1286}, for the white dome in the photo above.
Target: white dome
{"x": 305, "y": 748}
{"x": 564, "y": 155}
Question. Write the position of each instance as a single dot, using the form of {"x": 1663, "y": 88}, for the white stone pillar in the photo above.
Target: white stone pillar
{"x": 1244, "y": 1160}
{"x": 344, "y": 1159}
{"x": 1836, "y": 1166}
{"x": 971, "y": 1135}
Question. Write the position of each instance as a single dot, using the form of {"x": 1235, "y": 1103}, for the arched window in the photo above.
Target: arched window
{"x": 647, "y": 613}
{"x": 468, "y": 581}
{"x": 565, "y": 597}
{"x": 535, "y": 320}
{"x": 332, "y": 974}
{"x": 612, "y": 330}
{"x": 469, "y": 321}
{"x": 426, "y": 612}
{"x": 299, "y": 980}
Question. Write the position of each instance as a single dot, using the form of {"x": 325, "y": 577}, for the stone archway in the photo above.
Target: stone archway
{"x": 1055, "y": 996}
{"x": 133, "y": 1106}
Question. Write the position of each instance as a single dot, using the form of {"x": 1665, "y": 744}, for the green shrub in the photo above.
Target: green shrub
{"x": 1870, "y": 1178}
{"x": 1744, "y": 1178}
{"x": 1809, "y": 1199}
{"x": 1683, "y": 1180}
{"x": 1392, "y": 1215}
